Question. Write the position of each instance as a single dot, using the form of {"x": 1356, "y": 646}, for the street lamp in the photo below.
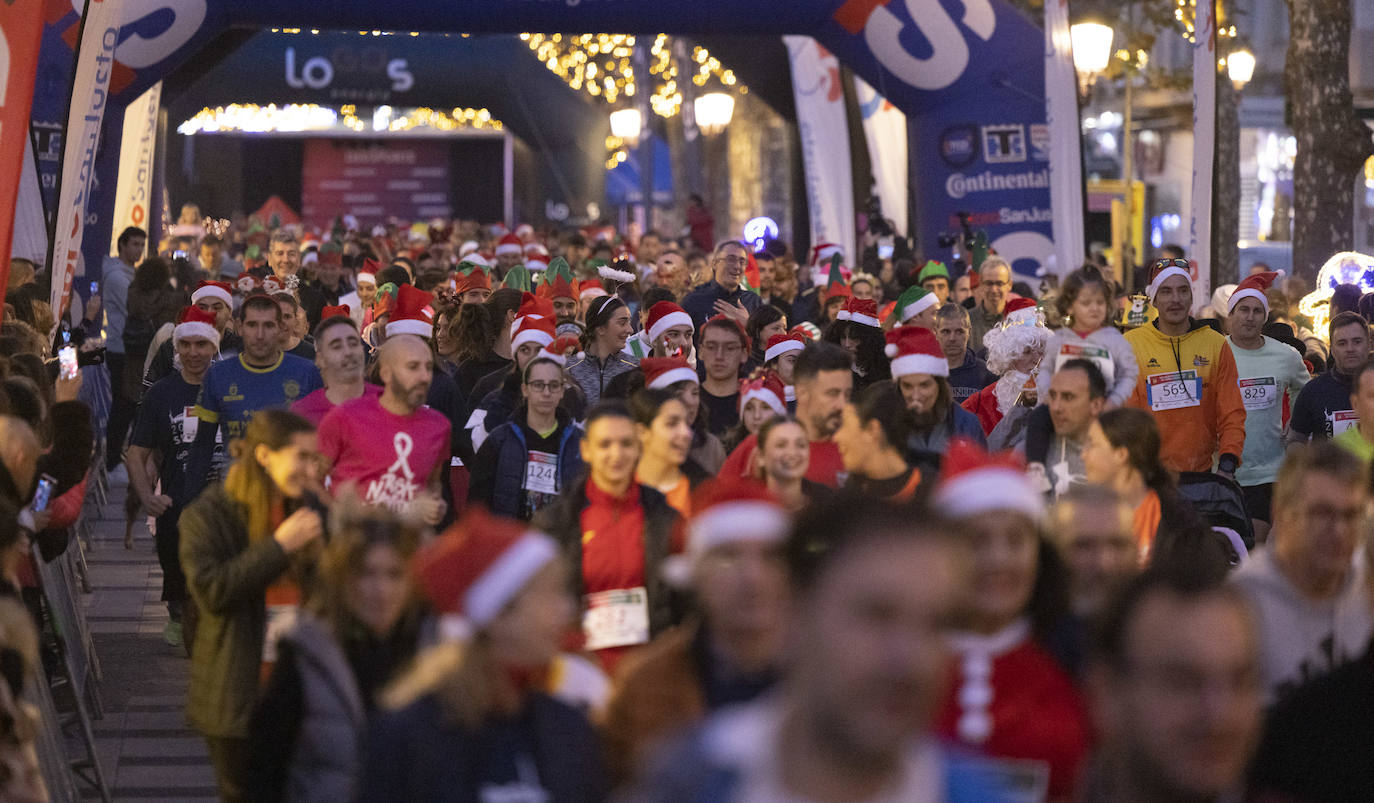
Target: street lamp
{"x": 1092, "y": 50}
{"x": 1240, "y": 67}
{"x": 627, "y": 125}
{"x": 713, "y": 112}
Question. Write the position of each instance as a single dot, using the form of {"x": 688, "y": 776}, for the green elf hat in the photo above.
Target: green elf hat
{"x": 932, "y": 270}
{"x": 558, "y": 266}
{"x": 472, "y": 262}
{"x": 835, "y": 277}
{"x": 915, "y": 300}
{"x": 518, "y": 278}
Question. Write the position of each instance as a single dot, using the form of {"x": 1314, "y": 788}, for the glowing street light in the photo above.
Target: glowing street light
{"x": 714, "y": 111}
{"x": 1240, "y": 67}
{"x": 627, "y": 125}
{"x": 1092, "y": 50}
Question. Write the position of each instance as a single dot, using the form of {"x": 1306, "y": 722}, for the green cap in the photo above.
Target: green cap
{"x": 933, "y": 270}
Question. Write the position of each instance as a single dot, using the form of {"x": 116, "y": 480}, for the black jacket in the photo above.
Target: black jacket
{"x": 563, "y": 521}
{"x": 498, "y": 472}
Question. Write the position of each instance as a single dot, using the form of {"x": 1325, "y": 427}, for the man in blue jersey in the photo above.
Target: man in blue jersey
{"x": 262, "y": 376}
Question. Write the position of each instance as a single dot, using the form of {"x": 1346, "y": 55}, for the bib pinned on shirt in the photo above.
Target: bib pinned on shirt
{"x": 1174, "y": 390}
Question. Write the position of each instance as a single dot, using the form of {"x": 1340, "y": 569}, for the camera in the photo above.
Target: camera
{"x": 950, "y": 239}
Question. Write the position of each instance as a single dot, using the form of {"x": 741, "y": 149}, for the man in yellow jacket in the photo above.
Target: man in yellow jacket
{"x": 1187, "y": 379}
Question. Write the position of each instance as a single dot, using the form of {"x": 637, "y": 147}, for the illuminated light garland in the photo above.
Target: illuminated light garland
{"x": 1346, "y": 267}
{"x": 251, "y": 118}
{"x": 1185, "y": 12}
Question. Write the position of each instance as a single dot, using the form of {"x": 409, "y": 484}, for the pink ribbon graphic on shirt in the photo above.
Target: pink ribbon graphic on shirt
{"x": 404, "y": 445}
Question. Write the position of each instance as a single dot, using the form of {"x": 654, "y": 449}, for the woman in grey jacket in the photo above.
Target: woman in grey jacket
{"x": 360, "y": 626}
{"x": 608, "y": 326}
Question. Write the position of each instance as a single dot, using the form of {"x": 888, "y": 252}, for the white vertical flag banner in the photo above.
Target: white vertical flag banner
{"x": 134, "y": 191}
{"x": 1204, "y": 144}
{"x": 825, "y": 143}
{"x": 885, "y": 133}
{"x": 1066, "y": 162}
{"x": 90, "y": 91}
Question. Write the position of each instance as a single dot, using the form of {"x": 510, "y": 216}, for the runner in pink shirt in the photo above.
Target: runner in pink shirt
{"x": 340, "y": 358}
{"x": 392, "y": 448}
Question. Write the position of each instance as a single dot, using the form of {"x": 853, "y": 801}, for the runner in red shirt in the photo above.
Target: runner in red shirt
{"x": 824, "y": 381}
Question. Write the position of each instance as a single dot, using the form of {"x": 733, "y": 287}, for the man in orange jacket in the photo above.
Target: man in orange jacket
{"x": 1187, "y": 379}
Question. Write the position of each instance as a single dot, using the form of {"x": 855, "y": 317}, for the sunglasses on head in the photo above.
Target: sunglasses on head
{"x": 1161, "y": 264}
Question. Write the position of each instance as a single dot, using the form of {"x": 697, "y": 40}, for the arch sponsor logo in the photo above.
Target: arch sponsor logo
{"x": 959, "y": 185}
{"x": 884, "y": 30}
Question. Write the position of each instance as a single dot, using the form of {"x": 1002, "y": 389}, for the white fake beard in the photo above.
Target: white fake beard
{"x": 1009, "y": 389}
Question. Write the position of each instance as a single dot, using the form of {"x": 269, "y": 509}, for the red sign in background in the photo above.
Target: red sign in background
{"x": 21, "y": 24}
{"x": 405, "y": 180}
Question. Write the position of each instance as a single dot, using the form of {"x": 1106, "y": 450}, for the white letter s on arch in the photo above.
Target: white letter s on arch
{"x": 949, "y": 51}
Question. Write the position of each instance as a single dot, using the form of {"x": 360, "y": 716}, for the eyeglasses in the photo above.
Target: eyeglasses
{"x": 544, "y": 387}
{"x": 734, "y": 262}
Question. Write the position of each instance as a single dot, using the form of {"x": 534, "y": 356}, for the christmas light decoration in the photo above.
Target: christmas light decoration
{"x": 1345, "y": 267}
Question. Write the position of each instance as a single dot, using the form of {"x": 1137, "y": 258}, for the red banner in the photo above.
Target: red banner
{"x": 21, "y": 27}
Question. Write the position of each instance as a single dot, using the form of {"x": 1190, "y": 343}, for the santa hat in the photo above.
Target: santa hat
{"x": 860, "y": 310}
{"x": 533, "y": 306}
{"x": 932, "y": 270}
{"x": 806, "y": 329}
{"x": 1164, "y": 269}
{"x": 218, "y": 290}
{"x": 767, "y": 389}
{"x": 310, "y": 257}
{"x": 914, "y": 350}
{"x": 664, "y": 316}
{"x": 1253, "y": 287}
{"x": 472, "y": 262}
{"x": 330, "y": 312}
{"x": 411, "y": 314}
{"x": 824, "y": 251}
{"x": 976, "y": 482}
{"x": 468, "y": 247}
{"x": 196, "y": 322}
{"x": 370, "y": 269}
{"x": 559, "y": 348}
{"x": 664, "y": 372}
{"x": 1020, "y": 311}
{"x": 537, "y": 263}
{"x": 247, "y": 283}
{"x": 524, "y": 231}
{"x": 532, "y": 329}
{"x": 727, "y": 511}
{"x": 477, "y": 567}
{"x": 781, "y": 344}
{"x": 913, "y": 301}
{"x": 536, "y": 249}
{"x": 590, "y": 288}
{"x": 475, "y": 280}
{"x": 509, "y": 244}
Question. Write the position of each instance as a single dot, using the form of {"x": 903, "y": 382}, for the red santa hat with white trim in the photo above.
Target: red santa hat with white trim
{"x": 914, "y": 350}
{"x": 590, "y": 288}
{"x": 196, "y": 322}
{"x": 781, "y": 344}
{"x": 664, "y": 316}
{"x": 509, "y": 244}
{"x": 860, "y": 310}
{"x": 1253, "y": 287}
{"x": 368, "y": 272}
{"x": 727, "y": 511}
{"x": 531, "y": 305}
{"x": 823, "y": 251}
{"x": 411, "y": 314}
{"x": 975, "y": 482}
{"x": 217, "y": 290}
{"x": 767, "y": 389}
{"x": 664, "y": 372}
{"x": 1164, "y": 269}
{"x": 477, "y": 567}
{"x": 536, "y": 249}
{"x": 533, "y": 329}
{"x": 1020, "y": 310}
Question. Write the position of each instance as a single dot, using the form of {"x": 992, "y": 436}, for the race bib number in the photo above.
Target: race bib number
{"x": 280, "y": 620}
{"x": 541, "y": 473}
{"x": 1174, "y": 391}
{"x": 1259, "y": 393}
{"x": 1087, "y": 351}
{"x": 618, "y": 618}
{"x": 190, "y": 425}
{"x": 1341, "y": 420}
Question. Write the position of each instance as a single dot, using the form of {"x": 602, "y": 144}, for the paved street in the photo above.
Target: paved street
{"x": 146, "y": 749}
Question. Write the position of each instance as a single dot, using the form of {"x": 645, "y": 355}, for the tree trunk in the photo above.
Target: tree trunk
{"x": 1332, "y": 142}
{"x": 1226, "y": 186}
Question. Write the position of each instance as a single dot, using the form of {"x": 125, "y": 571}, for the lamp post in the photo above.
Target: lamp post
{"x": 1240, "y": 68}
{"x": 1092, "y": 51}
{"x": 713, "y": 112}
{"x": 627, "y": 124}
